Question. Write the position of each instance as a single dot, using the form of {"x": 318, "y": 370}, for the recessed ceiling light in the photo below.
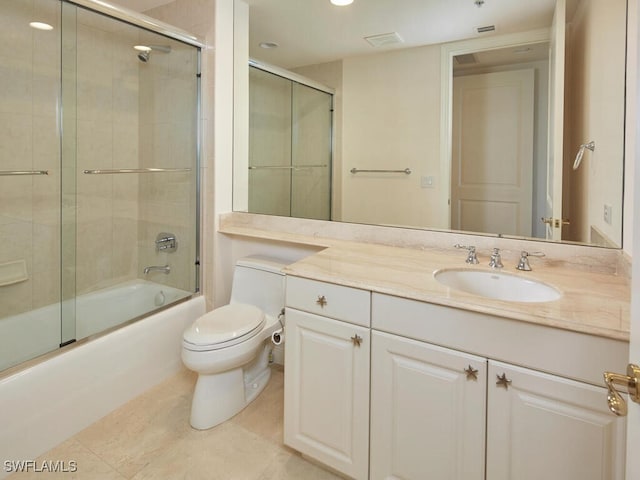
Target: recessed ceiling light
{"x": 341, "y": 3}
{"x": 268, "y": 45}
{"x": 40, "y": 26}
{"x": 142, "y": 48}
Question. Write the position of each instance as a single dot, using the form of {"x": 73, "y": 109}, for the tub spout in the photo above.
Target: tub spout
{"x": 157, "y": 268}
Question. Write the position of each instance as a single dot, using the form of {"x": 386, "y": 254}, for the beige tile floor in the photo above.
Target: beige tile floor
{"x": 150, "y": 438}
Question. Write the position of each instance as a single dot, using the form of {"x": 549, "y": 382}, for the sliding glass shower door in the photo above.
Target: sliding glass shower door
{"x": 29, "y": 179}
{"x": 98, "y": 174}
{"x": 290, "y": 130}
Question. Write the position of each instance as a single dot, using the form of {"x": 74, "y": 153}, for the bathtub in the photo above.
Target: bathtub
{"x": 30, "y": 334}
{"x": 52, "y": 400}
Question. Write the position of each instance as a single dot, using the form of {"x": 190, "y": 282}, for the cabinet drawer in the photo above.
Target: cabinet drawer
{"x": 335, "y": 301}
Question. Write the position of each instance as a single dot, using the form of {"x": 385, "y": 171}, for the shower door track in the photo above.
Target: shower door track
{"x": 139, "y": 20}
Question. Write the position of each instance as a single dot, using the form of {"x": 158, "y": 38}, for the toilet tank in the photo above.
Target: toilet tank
{"x": 259, "y": 281}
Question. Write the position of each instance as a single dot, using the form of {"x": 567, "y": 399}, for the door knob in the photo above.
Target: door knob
{"x": 357, "y": 340}
{"x": 322, "y": 301}
{"x": 630, "y": 381}
{"x": 555, "y": 222}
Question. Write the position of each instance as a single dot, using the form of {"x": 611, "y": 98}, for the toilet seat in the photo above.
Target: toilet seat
{"x": 224, "y": 327}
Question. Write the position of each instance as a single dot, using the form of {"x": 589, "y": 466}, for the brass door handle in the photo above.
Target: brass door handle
{"x": 630, "y": 381}
{"x": 555, "y": 222}
{"x": 357, "y": 340}
{"x": 322, "y": 301}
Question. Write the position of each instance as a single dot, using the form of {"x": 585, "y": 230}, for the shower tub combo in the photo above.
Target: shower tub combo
{"x": 99, "y": 161}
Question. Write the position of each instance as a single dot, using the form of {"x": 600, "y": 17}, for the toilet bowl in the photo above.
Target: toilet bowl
{"x": 229, "y": 347}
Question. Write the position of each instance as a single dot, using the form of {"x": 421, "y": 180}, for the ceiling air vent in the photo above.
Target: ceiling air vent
{"x": 384, "y": 39}
{"x": 486, "y": 29}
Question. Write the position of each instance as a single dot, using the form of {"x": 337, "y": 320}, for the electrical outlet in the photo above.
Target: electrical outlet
{"x": 607, "y": 213}
{"x": 426, "y": 182}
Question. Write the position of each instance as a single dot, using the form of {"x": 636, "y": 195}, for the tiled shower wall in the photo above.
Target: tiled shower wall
{"x": 107, "y": 138}
{"x": 167, "y": 131}
{"x": 29, "y": 210}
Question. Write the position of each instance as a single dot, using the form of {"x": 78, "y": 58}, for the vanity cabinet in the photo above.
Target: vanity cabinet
{"x": 452, "y": 393}
{"x": 546, "y": 426}
{"x": 538, "y": 425}
{"x": 327, "y": 374}
{"x": 427, "y": 411}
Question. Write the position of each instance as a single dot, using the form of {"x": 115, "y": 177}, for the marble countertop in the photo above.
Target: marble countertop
{"x": 591, "y": 303}
{"x": 595, "y": 300}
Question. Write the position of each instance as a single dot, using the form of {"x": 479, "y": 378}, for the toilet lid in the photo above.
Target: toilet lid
{"x": 224, "y": 324}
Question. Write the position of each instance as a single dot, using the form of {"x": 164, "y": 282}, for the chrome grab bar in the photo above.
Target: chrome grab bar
{"x": 284, "y": 167}
{"x": 406, "y": 171}
{"x": 134, "y": 170}
{"x": 6, "y": 173}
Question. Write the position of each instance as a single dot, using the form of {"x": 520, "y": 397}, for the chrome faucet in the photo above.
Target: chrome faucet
{"x": 158, "y": 268}
{"x": 472, "y": 258}
{"x": 523, "y": 264}
{"x": 496, "y": 259}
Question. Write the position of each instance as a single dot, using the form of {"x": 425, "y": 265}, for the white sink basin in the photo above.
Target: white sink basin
{"x": 497, "y": 285}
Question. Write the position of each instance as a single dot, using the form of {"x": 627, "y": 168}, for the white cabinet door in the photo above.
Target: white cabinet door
{"x": 543, "y": 426}
{"x": 327, "y": 391}
{"x": 427, "y": 411}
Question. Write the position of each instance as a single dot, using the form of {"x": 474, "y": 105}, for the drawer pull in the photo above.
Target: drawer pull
{"x": 357, "y": 340}
{"x": 322, "y": 301}
{"x": 472, "y": 373}
{"x": 503, "y": 381}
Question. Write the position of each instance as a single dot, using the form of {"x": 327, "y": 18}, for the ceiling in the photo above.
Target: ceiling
{"x": 315, "y": 31}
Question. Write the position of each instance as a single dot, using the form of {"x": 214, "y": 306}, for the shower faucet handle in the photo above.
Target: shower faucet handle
{"x": 166, "y": 242}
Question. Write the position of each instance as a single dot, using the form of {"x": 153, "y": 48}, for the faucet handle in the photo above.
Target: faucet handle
{"x": 523, "y": 264}
{"x": 472, "y": 257}
{"x": 496, "y": 259}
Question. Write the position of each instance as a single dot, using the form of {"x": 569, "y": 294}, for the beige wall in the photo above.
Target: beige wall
{"x": 392, "y": 92}
{"x": 595, "y": 113}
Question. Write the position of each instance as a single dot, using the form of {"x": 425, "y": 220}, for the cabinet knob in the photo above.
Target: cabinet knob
{"x": 503, "y": 381}
{"x": 322, "y": 301}
{"x": 472, "y": 373}
{"x": 357, "y": 340}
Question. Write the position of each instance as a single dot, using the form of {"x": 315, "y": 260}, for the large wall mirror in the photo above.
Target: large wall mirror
{"x": 497, "y": 117}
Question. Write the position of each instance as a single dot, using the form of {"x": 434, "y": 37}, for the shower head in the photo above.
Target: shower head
{"x": 145, "y": 51}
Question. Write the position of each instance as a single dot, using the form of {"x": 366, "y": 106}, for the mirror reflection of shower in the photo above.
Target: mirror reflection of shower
{"x": 144, "y": 51}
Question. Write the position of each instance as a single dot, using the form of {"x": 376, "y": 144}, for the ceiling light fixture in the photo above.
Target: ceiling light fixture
{"x": 40, "y": 26}
{"x": 341, "y": 3}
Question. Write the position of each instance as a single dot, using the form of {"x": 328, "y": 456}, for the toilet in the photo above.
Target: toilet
{"x": 229, "y": 347}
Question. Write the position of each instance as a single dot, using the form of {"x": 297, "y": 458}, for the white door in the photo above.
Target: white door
{"x": 326, "y": 391}
{"x": 427, "y": 411}
{"x": 542, "y": 426}
{"x": 492, "y": 153}
{"x": 556, "y": 125}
